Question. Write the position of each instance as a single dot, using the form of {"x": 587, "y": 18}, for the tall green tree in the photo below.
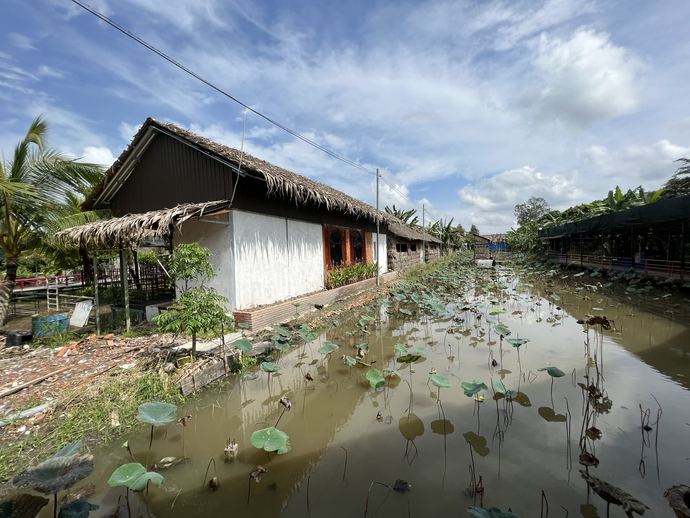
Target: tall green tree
{"x": 34, "y": 185}
{"x": 469, "y": 237}
{"x": 531, "y": 210}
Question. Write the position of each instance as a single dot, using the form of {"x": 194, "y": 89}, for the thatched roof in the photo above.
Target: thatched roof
{"x": 281, "y": 182}
{"x": 134, "y": 228}
{"x": 398, "y": 228}
{"x": 495, "y": 238}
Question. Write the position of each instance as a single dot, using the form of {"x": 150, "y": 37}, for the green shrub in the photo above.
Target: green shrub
{"x": 348, "y": 274}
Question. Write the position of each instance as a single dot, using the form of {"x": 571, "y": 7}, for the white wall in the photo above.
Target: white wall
{"x": 275, "y": 258}
{"x": 382, "y": 250}
{"x": 218, "y": 239}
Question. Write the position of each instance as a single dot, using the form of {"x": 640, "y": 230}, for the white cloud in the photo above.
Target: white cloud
{"x": 581, "y": 81}
{"x": 21, "y": 41}
{"x": 127, "y": 131}
{"x": 46, "y": 71}
{"x": 633, "y": 165}
{"x": 98, "y": 155}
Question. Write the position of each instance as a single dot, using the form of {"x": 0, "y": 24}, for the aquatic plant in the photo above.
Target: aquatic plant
{"x": 183, "y": 421}
{"x": 271, "y": 439}
{"x": 58, "y": 473}
{"x": 554, "y": 372}
{"x": 440, "y": 381}
{"x": 135, "y": 477}
{"x": 614, "y": 495}
{"x": 156, "y": 413}
{"x": 375, "y": 378}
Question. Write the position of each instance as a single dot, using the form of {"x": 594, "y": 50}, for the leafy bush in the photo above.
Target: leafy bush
{"x": 348, "y": 274}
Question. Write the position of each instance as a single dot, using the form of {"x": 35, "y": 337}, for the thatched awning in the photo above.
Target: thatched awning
{"x": 398, "y": 228}
{"x": 134, "y": 228}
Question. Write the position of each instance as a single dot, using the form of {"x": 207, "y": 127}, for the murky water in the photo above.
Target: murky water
{"x": 339, "y": 447}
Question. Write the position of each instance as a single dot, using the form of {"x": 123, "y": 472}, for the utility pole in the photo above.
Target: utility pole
{"x": 378, "y": 248}
{"x": 423, "y": 237}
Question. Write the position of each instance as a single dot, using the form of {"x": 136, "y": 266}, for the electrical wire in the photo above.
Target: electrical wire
{"x": 142, "y": 42}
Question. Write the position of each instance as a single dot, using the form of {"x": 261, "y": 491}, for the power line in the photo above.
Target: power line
{"x": 142, "y": 42}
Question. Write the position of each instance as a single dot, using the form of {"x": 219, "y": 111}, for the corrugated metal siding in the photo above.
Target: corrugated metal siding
{"x": 171, "y": 173}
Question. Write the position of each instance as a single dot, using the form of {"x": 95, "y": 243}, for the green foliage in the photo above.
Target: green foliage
{"x": 270, "y": 367}
{"x": 406, "y": 216}
{"x": 243, "y": 345}
{"x": 348, "y": 274}
{"x": 517, "y": 342}
{"x": 375, "y": 378}
{"x": 327, "y": 347}
{"x": 134, "y": 476}
{"x": 532, "y": 210}
{"x": 78, "y": 508}
{"x": 554, "y": 372}
{"x": 271, "y": 439}
{"x": 57, "y": 473}
{"x": 157, "y": 413}
{"x": 190, "y": 263}
{"x": 147, "y": 258}
{"x": 470, "y": 388}
{"x": 440, "y": 381}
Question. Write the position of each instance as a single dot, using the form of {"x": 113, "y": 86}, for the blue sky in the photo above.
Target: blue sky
{"x": 468, "y": 107}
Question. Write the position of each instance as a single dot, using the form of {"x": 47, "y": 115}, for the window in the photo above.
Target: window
{"x": 336, "y": 245}
{"x": 358, "y": 246}
{"x": 413, "y": 248}
{"x": 401, "y": 247}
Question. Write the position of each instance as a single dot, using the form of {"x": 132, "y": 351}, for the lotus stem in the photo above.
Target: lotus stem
{"x": 184, "y": 443}
{"x": 129, "y": 511}
{"x": 207, "y": 468}
{"x": 345, "y": 468}
{"x": 55, "y": 505}
{"x": 366, "y": 506}
{"x": 149, "y": 452}
{"x": 308, "y": 509}
{"x": 281, "y": 416}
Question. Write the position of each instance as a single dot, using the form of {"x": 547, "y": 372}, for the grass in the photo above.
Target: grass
{"x": 87, "y": 416}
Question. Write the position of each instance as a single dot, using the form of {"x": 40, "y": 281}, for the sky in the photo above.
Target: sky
{"x": 466, "y": 107}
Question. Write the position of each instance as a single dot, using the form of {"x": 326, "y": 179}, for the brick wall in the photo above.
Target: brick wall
{"x": 432, "y": 252}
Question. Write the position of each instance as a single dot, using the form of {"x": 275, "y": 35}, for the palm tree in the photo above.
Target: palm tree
{"x": 34, "y": 184}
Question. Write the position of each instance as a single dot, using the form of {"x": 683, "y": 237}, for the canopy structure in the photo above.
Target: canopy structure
{"x": 134, "y": 228}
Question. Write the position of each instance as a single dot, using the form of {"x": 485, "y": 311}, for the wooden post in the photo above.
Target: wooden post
{"x": 682, "y": 251}
{"x": 124, "y": 279}
{"x": 95, "y": 294}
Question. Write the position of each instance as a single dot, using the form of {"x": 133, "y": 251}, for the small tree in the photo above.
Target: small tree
{"x": 200, "y": 308}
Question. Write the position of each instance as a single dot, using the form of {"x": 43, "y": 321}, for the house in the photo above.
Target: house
{"x": 405, "y": 246}
{"x": 273, "y": 234}
{"x": 490, "y": 246}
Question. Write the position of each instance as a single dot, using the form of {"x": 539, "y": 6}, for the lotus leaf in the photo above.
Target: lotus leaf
{"x": 405, "y": 311}
{"x": 269, "y": 367}
{"x": 22, "y": 506}
{"x": 555, "y": 297}
{"x": 400, "y": 347}
{"x": 367, "y": 318}
{"x": 243, "y": 326}
{"x": 549, "y": 415}
{"x": 375, "y": 378}
{"x": 69, "y": 450}
{"x": 438, "y": 307}
{"x": 270, "y": 439}
{"x": 517, "y": 342}
{"x": 56, "y": 473}
{"x": 411, "y": 426}
{"x": 157, "y": 413}
{"x": 408, "y": 358}
{"x": 327, "y": 347}
{"x": 419, "y": 349}
{"x": 350, "y": 361}
{"x": 494, "y": 512}
{"x": 502, "y": 330}
{"x": 440, "y": 381}
{"x": 473, "y": 387}
{"x": 501, "y": 389}
{"x": 312, "y": 336}
{"x": 391, "y": 372}
{"x": 243, "y": 345}
{"x": 80, "y": 508}
{"x": 281, "y": 331}
{"x": 554, "y": 372}
{"x": 442, "y": 427}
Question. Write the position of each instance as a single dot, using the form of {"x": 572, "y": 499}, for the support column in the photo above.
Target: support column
{"x": 124, "y": 279}
{"x": 96, "y": 302}
{"x": 682, "y": 251}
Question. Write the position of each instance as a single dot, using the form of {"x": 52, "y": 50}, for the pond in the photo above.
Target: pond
{"x": 629, "y": 383}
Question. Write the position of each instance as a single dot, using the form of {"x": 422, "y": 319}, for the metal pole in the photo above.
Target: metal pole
{"x": 378, "y": 246}
{"x": 96, "y": 303}
{"x": 124, "y": 276}
{"x": 423, "y": 237}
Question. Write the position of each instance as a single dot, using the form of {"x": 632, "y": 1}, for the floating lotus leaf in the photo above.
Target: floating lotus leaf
{"x": 440, "y": 381}
{"x": 473, "y": 387}
{"x": 411, "y": 426}
{"x": 270, "y": 367}
{"x": 548, "y": 414}
{"x": 22, "y": 506}
{"x": 270, "y": 439}
{"x": 243, "y": 345}
{"x": 517, "y": 342}
{"x": 442, "y": 427}
{"x": 350, "y": 361}
{"x": 419, "y": 349}
{"x": 438, "y": 307}
{"x": 408, "y": 358}
{"x": 80, "y": 508}
{"x": 157, "y": 413}
{"x": 494, "y": 512}
{"x": 401, "y": 348}
{"x": 327, "y": 347}
{"x": 375, "y": 378}
{"x": 56, "y": 473}
{"x": 502, "y": 330}
{"x": 554, "y": 372}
